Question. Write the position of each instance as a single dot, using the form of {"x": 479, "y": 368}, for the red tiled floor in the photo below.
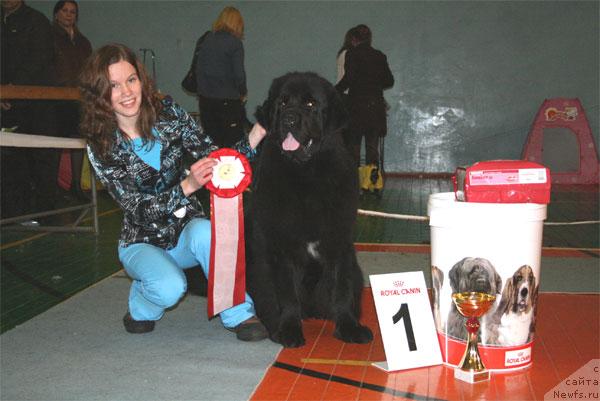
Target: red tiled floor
{"x": 567, "y": 337}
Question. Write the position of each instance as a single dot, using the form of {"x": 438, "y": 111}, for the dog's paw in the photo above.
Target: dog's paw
{"x": 353, "y": 333}
{"x": 290, "y": 336}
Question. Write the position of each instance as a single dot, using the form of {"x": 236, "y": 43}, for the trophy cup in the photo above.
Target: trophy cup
{"x": 472, "y": 305}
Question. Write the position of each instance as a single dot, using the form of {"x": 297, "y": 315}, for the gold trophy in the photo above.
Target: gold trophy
{"x": 472, "y": 305}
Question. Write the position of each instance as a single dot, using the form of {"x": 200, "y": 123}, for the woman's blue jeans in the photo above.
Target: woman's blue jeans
{"x": 158, "y": 278}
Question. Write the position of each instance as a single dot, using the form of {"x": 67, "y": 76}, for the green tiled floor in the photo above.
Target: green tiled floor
{"x": 39, "y": 273}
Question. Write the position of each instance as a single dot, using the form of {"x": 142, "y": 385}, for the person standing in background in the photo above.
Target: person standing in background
{"x": 29, "y": 176}
{"x": 71, "y": 50}
{"x": 221, "y": 79}
{"x": 366, "y": 75}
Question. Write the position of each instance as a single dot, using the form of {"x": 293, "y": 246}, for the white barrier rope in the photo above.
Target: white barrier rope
{"x": 425, "y": 218}
{"x": 392, "y": 216}
{"x": 571, "y": 223}
{"x": 39, "y": 141}
{"x": 42, "y": 141}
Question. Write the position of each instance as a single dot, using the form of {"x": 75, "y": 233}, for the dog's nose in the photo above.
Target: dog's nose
{"x": 289, "y": 120}
{"x": 524, "y": 292}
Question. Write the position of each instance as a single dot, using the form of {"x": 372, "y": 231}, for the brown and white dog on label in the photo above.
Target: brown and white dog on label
{"x": 514, "y": 318}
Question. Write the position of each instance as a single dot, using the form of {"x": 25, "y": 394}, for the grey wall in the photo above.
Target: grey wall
{"x": 470, "y": 76}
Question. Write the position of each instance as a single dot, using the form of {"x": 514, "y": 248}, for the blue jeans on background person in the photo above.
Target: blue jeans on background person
{"x": 158, "y": 278}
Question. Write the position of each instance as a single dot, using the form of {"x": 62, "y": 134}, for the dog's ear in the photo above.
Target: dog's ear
{"x": 437, "y": 277}
{"x": 534, "y": 293}
{"x": 506, "y": 303}
{"x": 501, "y": 308}
{"x": 454, "y": 275}
{"x": 264, "y": 113}
{"x": 337, "y": 115}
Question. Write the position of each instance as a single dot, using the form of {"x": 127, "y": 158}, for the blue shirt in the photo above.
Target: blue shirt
{"x": 149, "y": 153}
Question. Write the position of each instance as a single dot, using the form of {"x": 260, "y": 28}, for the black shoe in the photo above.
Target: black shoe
{"x": 250, "y": 330}
{"x": 137, "y": 326}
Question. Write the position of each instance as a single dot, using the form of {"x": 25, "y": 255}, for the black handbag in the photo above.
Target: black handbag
{"x": 189, "y": 82}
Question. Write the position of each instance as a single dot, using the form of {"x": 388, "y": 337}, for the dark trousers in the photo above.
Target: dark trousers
{"x": 68, "y": 126}
{"x": 222, "y": 119}
{"x": 368, "y": 120}
{"x": 28, "y": 176}
{"x": 28, "y": 180}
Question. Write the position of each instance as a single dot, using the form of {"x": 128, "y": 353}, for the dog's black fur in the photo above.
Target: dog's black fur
{"x": 301, "y": 258}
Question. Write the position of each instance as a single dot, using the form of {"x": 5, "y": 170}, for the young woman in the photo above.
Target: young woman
{"x": 136, "y": 145}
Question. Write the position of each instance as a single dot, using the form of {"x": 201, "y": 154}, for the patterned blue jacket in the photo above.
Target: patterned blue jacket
{"x": 149, "y": 198}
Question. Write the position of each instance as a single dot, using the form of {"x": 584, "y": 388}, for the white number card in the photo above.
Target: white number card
{"x": 405, "y": 320}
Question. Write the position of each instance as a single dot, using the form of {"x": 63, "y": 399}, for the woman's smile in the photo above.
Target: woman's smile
{"x": 126, "y": 94}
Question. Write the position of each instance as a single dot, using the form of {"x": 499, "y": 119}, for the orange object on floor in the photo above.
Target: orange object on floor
{"x": 329, "y": 369}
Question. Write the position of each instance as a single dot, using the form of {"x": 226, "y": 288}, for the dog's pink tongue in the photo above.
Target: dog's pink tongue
{"x": 290, "y": 143}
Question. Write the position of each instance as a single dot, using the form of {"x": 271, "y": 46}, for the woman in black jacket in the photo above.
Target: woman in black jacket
{"x": 221, "y": 79}
{"x": 366, "y": 75}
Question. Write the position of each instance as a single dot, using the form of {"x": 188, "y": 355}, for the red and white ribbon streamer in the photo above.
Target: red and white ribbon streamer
{"x": 227, "y": 270}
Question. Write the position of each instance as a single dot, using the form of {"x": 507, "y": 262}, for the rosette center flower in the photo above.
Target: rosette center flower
{"x": 228, "y": 172}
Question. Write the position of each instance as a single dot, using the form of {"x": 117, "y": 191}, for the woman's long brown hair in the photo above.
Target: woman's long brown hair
{"x": 98, "y": 121}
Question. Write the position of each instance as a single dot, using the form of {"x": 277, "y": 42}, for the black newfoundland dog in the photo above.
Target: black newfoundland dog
{"x": 301, "y": 258}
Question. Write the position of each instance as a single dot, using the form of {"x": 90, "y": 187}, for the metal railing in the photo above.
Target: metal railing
{"x": 12, "y": 139}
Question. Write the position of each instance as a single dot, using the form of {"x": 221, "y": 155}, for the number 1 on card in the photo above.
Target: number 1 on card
{"x": 404, "y": 314}
{"x": 405, "y": 320}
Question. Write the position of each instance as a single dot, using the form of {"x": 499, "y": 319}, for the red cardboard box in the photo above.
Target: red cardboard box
{"x": 503, "y": 181}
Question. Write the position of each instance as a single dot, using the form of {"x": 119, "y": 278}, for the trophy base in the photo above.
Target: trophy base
{"x": 471, "y": 376}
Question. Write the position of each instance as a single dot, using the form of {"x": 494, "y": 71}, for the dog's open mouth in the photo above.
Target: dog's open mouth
{"x": 522, "y": 305}
{"x": 290, "y": 143}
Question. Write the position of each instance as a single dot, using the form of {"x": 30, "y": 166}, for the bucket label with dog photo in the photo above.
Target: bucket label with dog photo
{"x": 493, "y": 248}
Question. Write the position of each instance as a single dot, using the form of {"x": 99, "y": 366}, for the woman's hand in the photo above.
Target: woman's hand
{"x": 256, "y": 135}
{"x": 200, "y": 174}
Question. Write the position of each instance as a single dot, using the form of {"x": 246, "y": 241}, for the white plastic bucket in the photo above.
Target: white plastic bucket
{"x": 487, "y": 247}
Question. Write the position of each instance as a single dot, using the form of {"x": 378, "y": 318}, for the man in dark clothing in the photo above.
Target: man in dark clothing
{"x": 366, "y": 75}
{"x": 27, "y": 52}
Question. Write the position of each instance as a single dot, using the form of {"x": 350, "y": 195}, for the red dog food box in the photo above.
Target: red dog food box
{"x": 503, "y": 181}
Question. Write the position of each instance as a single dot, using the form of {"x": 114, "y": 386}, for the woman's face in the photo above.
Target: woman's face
{"x": 126, "y": 92}
{"x": 67, "y": 15}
